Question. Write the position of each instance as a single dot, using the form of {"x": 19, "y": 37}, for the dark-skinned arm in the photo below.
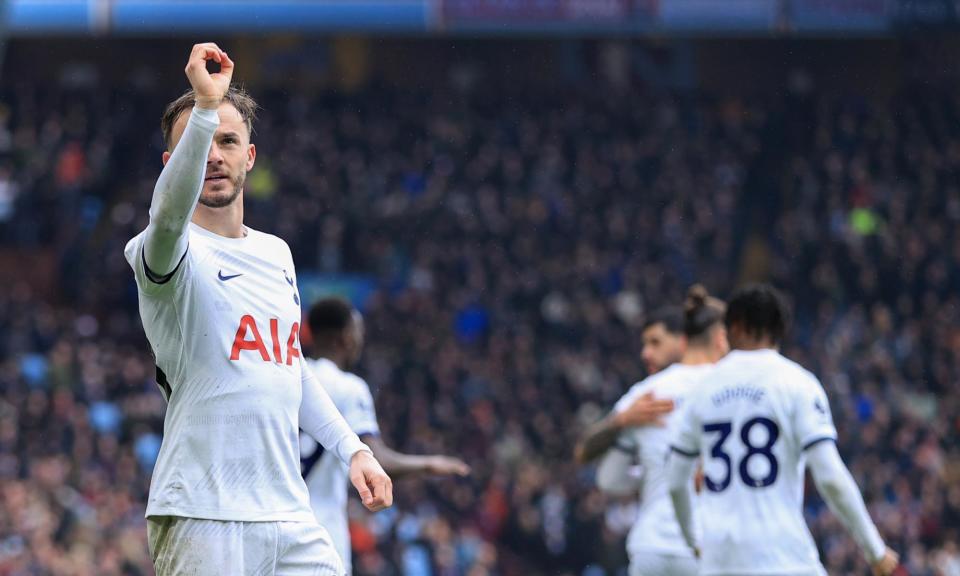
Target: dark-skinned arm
{"x": 398, "y": 465}
{"x": 600, "y": 437}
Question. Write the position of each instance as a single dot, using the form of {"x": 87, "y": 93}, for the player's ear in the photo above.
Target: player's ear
{"x": 165, "y": 157}
{"x": 251, "y": 156}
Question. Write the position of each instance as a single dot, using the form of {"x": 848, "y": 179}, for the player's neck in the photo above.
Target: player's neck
{"x": 332, "y": 357}
{"x": 226, "y": 221}
{"x": 696, "y": 356}
{"x": 753, "y": 346}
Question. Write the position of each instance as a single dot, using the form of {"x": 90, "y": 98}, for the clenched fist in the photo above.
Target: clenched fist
{"x": 209, "y": 87}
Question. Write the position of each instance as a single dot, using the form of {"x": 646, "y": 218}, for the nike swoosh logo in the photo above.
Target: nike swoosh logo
{"x": 225, "y": 278}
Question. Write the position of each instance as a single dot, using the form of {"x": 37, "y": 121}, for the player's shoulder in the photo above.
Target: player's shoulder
{"x": 356, "y": 383}
{"x": 265, "y": 238}
{"x": 776, "y": 371}
{"x": 638, "y": 389}
{"x": 649, "y": 384}
{"x": 323, "y": 368}
{"x": 328, "y": 372}
{"x": 670, "y": 377}
{"x": 798, "y": 375}
{"x": 133, "y": 246}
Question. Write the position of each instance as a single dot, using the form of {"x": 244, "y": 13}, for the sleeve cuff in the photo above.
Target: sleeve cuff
{"x": 160, "y": 278}
{"x": 350, "y": 446}
{"x": 877, "y": 549}
{"x": 687, "y": 453}
{"x": 814, "y": 441}
{"x": 625, "y": 448}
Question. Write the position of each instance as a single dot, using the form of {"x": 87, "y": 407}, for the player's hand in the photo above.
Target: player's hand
{"x": 370, "y": 480}
{"x": 209, "y": 87}
{"x": 645, "y": 411}
{"x": 698, "y": 478}
{"x": 886, "y": 565}
{"x": 447, "y": 466}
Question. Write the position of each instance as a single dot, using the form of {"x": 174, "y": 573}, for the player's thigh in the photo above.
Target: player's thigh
{"x": 658, "y": 564}
{"x": 307, "y": 550}
{"x": 191, "y": 546}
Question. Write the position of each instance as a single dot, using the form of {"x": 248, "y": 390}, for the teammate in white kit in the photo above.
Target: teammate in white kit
{"x": 337, "y": 332}
{"x": 655, "y": 544}
{"x": 220, "y": 307}
{"x": 663, "y": 344}
{"x": 757, "y": 419}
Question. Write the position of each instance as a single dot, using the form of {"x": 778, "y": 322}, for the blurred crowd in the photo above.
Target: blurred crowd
{"x": 516, "y": 242}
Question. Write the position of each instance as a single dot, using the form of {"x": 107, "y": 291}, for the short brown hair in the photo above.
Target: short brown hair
{"x": 236, "y": 96}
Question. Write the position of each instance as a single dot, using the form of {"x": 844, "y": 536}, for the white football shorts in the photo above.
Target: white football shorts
{"x": 195, "y": 547}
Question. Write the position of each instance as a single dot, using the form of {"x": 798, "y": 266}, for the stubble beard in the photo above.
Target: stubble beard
{"x": 220, "y": 201}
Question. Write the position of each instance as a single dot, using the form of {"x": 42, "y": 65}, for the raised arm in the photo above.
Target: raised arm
{"x": 181, "y": 181}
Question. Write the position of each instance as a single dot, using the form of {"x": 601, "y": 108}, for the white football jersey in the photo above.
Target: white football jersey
{"x": 656, "y": 526}
{"x": 751, "y": 419}
{"x": 224, "y": 330}
{"x": 326, "y": 475}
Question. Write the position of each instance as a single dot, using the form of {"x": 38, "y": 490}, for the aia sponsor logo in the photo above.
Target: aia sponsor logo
{"x": 248, "y": 339}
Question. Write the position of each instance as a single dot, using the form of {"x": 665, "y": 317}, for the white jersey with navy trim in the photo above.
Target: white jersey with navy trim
{"x": 326, "y": 476}
{"x": 656, "y": 527}
{"x": 224, "y": 331}
{"x": 751, "y": 419}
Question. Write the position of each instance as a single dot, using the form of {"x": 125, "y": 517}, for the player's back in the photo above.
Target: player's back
{"x": 751, "y": 419}
{"x": 656, "y": 528}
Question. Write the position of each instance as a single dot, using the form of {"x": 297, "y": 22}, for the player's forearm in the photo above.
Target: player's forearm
{"x": 397, "y": 464}
{"x": 597, "y": 440}
{"x": 177, "y": 191}
{"x": 613, "y": 474}
{"x": 838, "y": 488}
{"x": 679, "y": 470}
{"x": 320, "y": 419}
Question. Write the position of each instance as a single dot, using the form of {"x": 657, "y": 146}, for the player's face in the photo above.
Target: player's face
{"x": 231, "y": 157}
{"x": 660, "y": 348}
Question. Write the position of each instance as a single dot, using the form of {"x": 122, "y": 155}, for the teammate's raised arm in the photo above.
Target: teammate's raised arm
{"x": 185, "y": 162}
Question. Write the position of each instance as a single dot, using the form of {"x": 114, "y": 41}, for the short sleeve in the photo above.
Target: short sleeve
{"x": 627, "y": 440}
{"x": 625, "y": 401}
{"x": 685, "y": 438}
{"x": 360, "y": 412}
{"x": 813, "y": 420}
